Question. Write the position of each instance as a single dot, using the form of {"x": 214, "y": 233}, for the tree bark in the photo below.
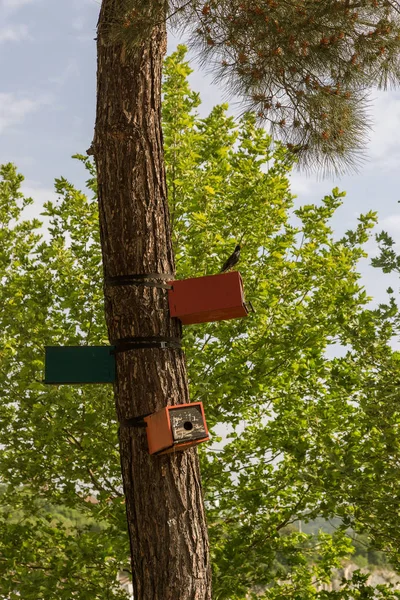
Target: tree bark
{"x": 164, "y": 503}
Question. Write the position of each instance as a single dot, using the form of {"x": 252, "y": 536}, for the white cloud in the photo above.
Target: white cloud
{"x": 85, "y": 38}
{"x": 300, "y": 184}
{"x": 391, "y": 224}
{"x": 14, "y": 33}
{"x": 79, "y": 23}
{"x": 16, "y": 4}
{"x": 309, "y": 187}
{"x": 78, "y": 4}
{"x": 71, "y": 70}
{"x": 40, "y": 195}
{"x": 22, "y": 162}
{"x": 13, "y": 109}
{"x": 384, "y": 144}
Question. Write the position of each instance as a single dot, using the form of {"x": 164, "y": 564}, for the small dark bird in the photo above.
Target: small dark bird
{"x": 232, "y": 260}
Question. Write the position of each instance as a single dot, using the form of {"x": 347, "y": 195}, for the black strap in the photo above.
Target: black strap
{"x": 145, "y": 279}
{"x": 134, "y": 343}
{"x": 134, "y": 421}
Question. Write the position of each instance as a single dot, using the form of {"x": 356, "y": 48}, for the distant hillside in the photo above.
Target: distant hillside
{"x": 364, "y": 557}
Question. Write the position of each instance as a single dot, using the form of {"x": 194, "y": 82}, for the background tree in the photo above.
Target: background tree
{"x": 304, "y": 67}
{"x": 308, "y": 430}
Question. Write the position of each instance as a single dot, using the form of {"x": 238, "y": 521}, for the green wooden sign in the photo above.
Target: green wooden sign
{"x": 79, "y": 364}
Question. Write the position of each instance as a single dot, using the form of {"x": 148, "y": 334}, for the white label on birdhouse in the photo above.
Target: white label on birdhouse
{"x": 187, "y": 424}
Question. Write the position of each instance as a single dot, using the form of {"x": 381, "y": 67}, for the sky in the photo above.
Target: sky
{"x": 47, "y": 112}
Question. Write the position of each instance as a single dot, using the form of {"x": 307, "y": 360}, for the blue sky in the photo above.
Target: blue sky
{"x": 47, "y": 111}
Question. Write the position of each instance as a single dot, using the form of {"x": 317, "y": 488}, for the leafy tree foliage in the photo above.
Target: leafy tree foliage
{"x": 303, "y": 66}
{"x": 300, "y": 430}
{"x": 54, "y": 440}
{"x": 389, "y": 261}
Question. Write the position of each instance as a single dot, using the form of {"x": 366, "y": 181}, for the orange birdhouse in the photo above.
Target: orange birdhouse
{"x": 176, "y": 428}
{"x": 206, "y": 299}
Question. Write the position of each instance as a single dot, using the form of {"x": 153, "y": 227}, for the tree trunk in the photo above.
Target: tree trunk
{"x": 164, "y": 503}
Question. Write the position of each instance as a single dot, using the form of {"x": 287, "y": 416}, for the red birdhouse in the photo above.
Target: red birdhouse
{"x": 206, "y": 299}
{"x": 176, "y": 428}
